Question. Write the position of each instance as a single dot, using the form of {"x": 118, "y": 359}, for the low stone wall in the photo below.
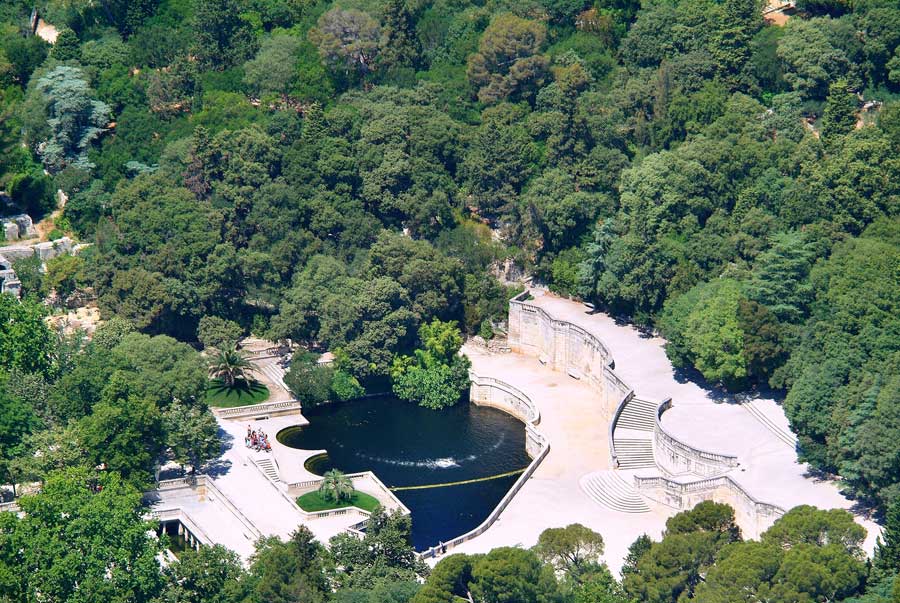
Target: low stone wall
{"x": 753, "y": 516}
{"x": 259, "y": 411}
{"x": 674, "y": 456}
{"x": 487, "y": 391}
{"x": 505, "y": 397}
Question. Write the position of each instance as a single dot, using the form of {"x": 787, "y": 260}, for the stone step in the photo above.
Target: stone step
{"x": 779, "y": 432}
{"x": 634, "y": 453}
{"x": 610, "y": 490}
{"x": 639, "y": 425}
{"x": 275, "y": 373}
{"x": 268, "y": 468}
{"x": 639, "y": 415}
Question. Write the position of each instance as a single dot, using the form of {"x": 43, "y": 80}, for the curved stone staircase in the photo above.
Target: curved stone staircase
{"x": 607, "y": 488}
{"x": 633, "y": 435}
{"x": 638, "y": 414}
{"x": 634, "y": 453}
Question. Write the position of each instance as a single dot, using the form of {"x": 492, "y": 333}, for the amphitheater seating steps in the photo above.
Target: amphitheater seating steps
{"x": 607, "y": 488}
{"x": 638, "y": 414}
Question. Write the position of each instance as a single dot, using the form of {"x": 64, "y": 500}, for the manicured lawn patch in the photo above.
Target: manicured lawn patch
{"x": 313, "y": 501}
{"x": 241, "y": 394}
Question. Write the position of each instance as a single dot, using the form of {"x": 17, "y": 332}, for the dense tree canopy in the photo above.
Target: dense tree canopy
{"x": 348, "y": 175}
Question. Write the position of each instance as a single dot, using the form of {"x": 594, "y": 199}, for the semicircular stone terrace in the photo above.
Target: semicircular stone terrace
{"x": 671, "y": 443}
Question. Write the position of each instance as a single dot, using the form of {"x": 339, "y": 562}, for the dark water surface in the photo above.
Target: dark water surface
{"x": 406, "y": 445}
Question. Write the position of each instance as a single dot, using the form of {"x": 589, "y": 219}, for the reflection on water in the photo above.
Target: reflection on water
{"x": 406, "y": 445}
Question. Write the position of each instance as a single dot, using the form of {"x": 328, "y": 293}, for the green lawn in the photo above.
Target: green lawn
{"x": 242, "y": 394}
{"x": 313, "y": 501}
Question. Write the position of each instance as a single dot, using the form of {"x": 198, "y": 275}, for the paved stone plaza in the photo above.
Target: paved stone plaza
{"x": 575, "y": 418}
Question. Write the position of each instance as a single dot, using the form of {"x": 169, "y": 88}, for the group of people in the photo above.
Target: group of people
{"x": 257, "y": 440}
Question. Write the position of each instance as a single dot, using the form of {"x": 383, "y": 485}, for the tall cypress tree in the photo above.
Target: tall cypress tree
{"x": 839, "y": 116}
{"x": 400, "y": 48}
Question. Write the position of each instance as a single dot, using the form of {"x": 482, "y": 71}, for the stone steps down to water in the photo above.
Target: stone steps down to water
{"x": 639, "y": 415}
{"x": 607, "y": 488}
{"x": 268, "y": 468}
{"x": 634, "y": 453}
{"x": 779, "y": 432}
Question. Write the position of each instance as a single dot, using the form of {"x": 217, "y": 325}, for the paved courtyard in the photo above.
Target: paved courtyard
{"x": 575, "y": 420}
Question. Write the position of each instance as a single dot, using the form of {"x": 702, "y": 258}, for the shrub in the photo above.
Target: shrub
{"x": 345, "y": 386}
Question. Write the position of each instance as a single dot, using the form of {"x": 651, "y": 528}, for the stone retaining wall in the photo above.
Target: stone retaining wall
{"x": 487, "y": 391}
{"x": 566, "y": 348}
{"x": 753, "y": 516}
{"x": 504, "y": 396}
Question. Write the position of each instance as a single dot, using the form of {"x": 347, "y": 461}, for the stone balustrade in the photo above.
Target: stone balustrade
{"x": 752, "y": 515}
{"x": 203, "y": 486}
{"x": 487, "y": 391}
{"x": 501, "y": 395}
{"x": 674, "y": 456}
{"x": 570, "y": 349}
{"x": 264, "y": 409}
{"x": 193, "y": 534}
{"x": 614, "y": 457}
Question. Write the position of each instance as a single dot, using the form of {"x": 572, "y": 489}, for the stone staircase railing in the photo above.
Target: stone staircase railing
{"x": 755, "y": 515}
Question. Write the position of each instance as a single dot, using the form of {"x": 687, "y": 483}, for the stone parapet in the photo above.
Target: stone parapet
{"x": 503, "y": 396}
{"x": 674, "y": 456}
{"x": 753, "y": 516}
{"x": 257, "y": 411}
{"x": 487, "y": 391}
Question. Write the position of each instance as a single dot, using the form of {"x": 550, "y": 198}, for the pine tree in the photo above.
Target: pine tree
{"x": 887, "y": 549}
{"x": 636, "y": 551}
{"x": 67, "y": 46}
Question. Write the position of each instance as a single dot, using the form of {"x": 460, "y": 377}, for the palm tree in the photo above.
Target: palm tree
{"x": 336, "y": 486}
{"x": 230, "y": 365}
